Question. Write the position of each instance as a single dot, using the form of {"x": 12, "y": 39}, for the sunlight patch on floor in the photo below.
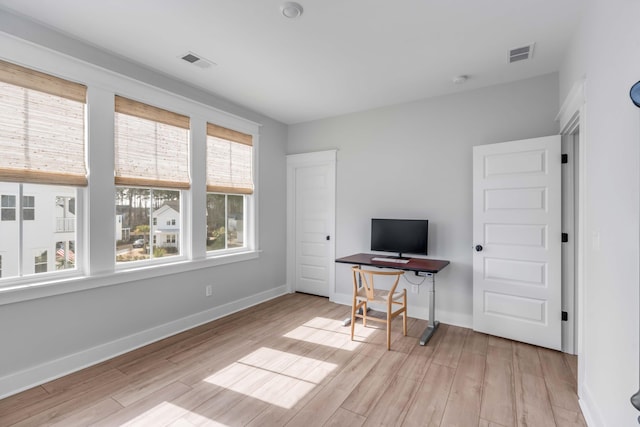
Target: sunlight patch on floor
{"x": 324, "y": 331}
{"x": 273, "y": 376}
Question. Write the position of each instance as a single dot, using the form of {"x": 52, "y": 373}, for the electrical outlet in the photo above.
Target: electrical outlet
{"x": 415, "y": 289}
{"x": 208, "y": 291}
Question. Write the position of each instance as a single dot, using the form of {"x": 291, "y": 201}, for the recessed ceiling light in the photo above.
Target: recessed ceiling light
{"x": 291, "y": 10}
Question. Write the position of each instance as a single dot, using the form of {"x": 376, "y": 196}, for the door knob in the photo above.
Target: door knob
{"x": 478, "y": 248}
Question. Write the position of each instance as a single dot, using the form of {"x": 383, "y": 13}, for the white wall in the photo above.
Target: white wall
{"x": 47, "y": 337}
{"x": 606, "y": 50}
{"x": 414, "y": 160}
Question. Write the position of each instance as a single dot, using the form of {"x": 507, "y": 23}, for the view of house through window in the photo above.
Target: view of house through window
{"x": 147, "y": 223}
{"x": 45, "y": 225}
{"x": 225, "y": 221}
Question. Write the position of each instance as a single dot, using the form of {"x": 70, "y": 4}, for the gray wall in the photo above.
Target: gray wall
{"x": 414, "y": 160}
{"x": 606, "y": 51}
{"x": 41, "y": 337}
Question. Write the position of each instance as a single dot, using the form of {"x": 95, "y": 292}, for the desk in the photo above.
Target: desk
{"x": 428, "y": 268}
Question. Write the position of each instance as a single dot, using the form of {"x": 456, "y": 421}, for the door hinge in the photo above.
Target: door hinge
{"x": 565, "y": 237}
{"x": 565, "y": 158}
{"x": 565, "y": 316}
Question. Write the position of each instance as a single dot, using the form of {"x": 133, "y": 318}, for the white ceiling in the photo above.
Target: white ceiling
{"x": 340, "y": 56}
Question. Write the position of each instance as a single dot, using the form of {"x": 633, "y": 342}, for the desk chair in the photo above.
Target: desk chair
{"x": 364, "y": 292}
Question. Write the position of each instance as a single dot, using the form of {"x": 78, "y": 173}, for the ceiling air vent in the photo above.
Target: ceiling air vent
{"x": 520, "y": 53}
{"x": 196, "y": 60}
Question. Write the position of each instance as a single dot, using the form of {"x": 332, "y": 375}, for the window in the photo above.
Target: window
{"x": 229, "y": 185}
{"x": 8, "y": 208}
{"x": 65, "y": 254}
{"x": 151, "y": 149}
{"x": 225, "y": 221}
{"x": 42, "y": 138}
{"x": 28, "y": 208}
{"x": 40, "y": 261}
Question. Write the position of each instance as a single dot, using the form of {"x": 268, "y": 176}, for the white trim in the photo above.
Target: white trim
{"x": 572, "y": 117}
{"x": 26, "y": 292}
{"x": 23, "y": 380}
{"x": 571, "y": 106}
{"x": 310, "y": 159}
{"x": 590, "y": 411}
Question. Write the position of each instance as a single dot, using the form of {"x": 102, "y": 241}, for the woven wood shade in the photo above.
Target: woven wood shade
{"x": 229, "y": 161}
{"x": 151, "y": 146}
{"x": 42, "y": 128}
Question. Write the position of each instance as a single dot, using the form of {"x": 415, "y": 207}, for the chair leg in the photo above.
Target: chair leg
{"x": 363, "y": 307}
{"x": 404, "y": 313}
{"x": 353, "y": 317}
{"x": 389, "y": 329}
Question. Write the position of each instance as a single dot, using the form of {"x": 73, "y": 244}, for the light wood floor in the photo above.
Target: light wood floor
{"x": 291, "y": 362}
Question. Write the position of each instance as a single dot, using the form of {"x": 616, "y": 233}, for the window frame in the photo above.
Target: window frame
{"x": 44, "y": 253}
{"x": 3, "y": 208}
{"x": 247, "y": 225}
{"x": 96, "y": 269}
{"x": 25, "y": 208}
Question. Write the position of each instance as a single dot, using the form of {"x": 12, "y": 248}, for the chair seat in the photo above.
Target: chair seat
{"x": 379, "y": 295}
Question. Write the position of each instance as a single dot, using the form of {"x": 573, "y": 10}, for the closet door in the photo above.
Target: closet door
{"x": 311, "y": 222}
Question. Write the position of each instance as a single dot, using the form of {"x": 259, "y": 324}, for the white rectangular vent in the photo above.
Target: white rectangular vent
{"x": 196, "y": 60}
{"x": 520, "y": 53}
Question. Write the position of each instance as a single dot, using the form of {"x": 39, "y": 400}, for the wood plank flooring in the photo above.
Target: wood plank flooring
{"x": 290, "y": 362}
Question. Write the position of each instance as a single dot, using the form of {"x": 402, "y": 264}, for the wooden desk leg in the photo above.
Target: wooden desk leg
{"x": 433, "y": 323}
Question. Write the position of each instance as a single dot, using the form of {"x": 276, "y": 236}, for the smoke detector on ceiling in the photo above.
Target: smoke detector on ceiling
{"x": 460, "y": 79}
{"x": 197, "y": 60}
{"x": 520, "y": 53}
{"x": 291, "y": 10}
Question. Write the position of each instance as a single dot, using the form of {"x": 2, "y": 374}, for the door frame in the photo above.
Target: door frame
{"x": 572, "y": 118}
{"x": 295, "y": 161}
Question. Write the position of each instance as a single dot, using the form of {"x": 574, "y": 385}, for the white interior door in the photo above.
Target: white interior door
{"x": 312, "y": 217}
{"x": 517, "y": 237}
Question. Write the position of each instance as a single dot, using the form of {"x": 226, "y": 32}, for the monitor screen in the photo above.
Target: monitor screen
{"x": 403, "y": 236}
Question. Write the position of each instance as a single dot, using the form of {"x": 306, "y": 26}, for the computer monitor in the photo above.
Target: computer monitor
{"x": 402, "y": 236}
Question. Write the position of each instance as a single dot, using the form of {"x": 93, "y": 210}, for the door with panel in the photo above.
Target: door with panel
{"x": 311, "y": 183}
{"x": 517, "y": 261}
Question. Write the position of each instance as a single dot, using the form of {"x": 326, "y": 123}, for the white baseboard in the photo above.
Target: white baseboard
{"x": 420, "y": 311}
{"x": 28, "y": 378}
{"x": 589, "y": 409}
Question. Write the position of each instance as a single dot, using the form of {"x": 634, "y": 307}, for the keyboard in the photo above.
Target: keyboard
{"x": 393, "y": 260}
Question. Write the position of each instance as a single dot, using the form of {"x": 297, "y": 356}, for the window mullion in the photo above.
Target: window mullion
{"x": 21, "y": 231}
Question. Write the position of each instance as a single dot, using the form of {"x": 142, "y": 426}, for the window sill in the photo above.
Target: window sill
{"x": 48, "y": 288}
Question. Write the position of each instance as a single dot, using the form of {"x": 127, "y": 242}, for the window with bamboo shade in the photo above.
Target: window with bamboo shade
{"x": 42, "y": 146}
{"x": 229, "y": 181}
{"x": 151, "y": 167}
